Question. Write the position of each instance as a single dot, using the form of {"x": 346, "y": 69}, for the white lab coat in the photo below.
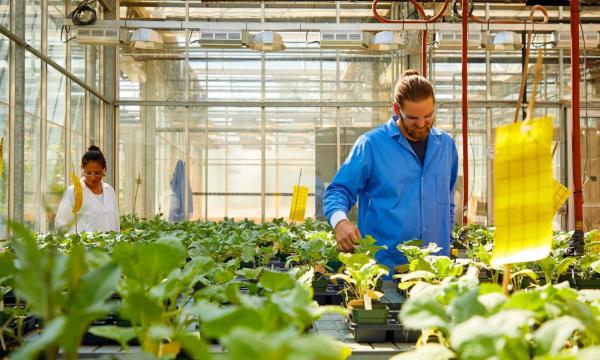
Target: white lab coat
{"x": 94, "y": 215}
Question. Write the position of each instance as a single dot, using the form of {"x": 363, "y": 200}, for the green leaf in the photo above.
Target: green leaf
{"x": 150, "y": 263}
{"x": 417, "y": 275}
{"x": 276, "y": 281}
{"x": 96, "y": 287}
{"x": 32, "y": 348}
{"x": 550, "y": 338}
{"x": 120, "y": 334}
{"x": 465, "y": 306}
{"x": 424, "y": 311}
{"x": 485, "y": 338}
{"x": 492, "y": 301}
{"x": 526, "y": 300}
{"x": 427, "y": 352}
{"x": 563, "y": 266}
{"x": 244, "y": 344}
{"x": 160, "y": 332}
{"x": 139, "y": 308}
{"x": 193, "y": 346}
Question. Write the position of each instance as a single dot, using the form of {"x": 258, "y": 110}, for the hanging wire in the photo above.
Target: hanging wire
{"x": 84, "y": 14}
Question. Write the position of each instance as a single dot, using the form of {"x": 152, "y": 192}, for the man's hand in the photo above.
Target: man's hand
{"x": 346, "y": 235}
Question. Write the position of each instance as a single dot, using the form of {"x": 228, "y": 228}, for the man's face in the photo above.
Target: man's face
{"x": 417, "y": 118}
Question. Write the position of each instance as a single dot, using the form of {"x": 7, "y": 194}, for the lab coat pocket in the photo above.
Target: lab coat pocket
{"x": 442, "y": 189}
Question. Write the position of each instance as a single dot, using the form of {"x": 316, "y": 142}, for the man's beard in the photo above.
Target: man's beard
{"x": 416, "y": 133}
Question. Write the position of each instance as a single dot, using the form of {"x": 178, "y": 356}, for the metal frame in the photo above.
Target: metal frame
{"x": 306, "y": 26}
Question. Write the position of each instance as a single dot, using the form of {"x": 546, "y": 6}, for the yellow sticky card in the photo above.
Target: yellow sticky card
{"x": 299, "y": 200}
{"x": 561, "y": 194}
{"x": 523, "y": 202}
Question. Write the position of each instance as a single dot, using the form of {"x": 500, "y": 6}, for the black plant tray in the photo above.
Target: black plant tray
{"x": 331, "y": 296}
{"x": 392, "y": 331}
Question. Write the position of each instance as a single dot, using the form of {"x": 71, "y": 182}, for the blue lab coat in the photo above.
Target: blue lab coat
{"x": 399, "y": 199}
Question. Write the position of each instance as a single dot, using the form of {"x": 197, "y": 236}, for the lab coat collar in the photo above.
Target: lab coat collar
{"x": 93, "y": 196}
{"x": 432, "y": 143}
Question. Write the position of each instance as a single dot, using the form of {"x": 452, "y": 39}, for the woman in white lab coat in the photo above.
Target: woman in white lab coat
{"x": 99, "y": 210}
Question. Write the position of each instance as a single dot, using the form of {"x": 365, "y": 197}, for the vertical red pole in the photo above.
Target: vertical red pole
{"x": 575, "y": 103}
{"x": 465, "y": 108}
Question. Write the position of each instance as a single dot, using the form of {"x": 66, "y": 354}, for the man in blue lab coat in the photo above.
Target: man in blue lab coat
{"x": 403, "y": 174}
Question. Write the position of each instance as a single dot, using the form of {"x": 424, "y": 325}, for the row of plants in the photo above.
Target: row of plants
{"x": 171, "y": 288}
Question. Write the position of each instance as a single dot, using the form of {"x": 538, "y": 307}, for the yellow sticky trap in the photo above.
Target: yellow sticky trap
{"x": 299, "y": 200}
{"x": 561, "y": 194}
{"x": 523, "y": 203}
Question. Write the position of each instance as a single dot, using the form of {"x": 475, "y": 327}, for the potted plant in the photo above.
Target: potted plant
{"x": 361, "y": 275}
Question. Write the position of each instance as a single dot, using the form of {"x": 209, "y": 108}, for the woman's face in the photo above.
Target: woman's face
{"x": 93, "y": 172}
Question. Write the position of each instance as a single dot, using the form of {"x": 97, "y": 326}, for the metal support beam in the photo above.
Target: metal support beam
{"x": 16, "y": 130}
{"x": 304, "y": 26}
{"x": 109, "y": 83}
{"x": 43, "y": 145}
{"x": 18, "y": 39}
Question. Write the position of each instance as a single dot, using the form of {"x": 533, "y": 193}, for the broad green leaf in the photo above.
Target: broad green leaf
{"x": 276, "y": 281}
{"x": 551, "y": 336}
{"x": 563, "y": 266}
{"x": 150, "y": 263}
{"x": 492, "y": 301}
{"x": 160, "y": 332}
{"x": 484, "y": 338}
{"x": 424, "y": 312}
{"x": 34, "y": 346}
{"x": 417, "y": 275}
{"x": 466, "y": 305}
{"x": 244, "y": 344}
{"x": 120, "y": 334}
{"x": 139, "y": 308}
{"x": 193, "y": 346}
{"x": 96, "y": 287}
{"x": 526, "y": 300}
{"x": 427, "y": 352}
{"x": 7, "y": 265}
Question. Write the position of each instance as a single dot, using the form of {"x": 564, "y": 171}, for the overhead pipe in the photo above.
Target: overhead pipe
{"x": 465, "y": 109}
{"x": 529, "y": 21}
{"x": 577, "y": 241}
{"x": 424, "y": 19}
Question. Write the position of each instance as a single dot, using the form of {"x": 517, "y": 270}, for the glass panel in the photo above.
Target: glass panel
{"x": 78, "y": 60}
{"x": 95, "y": 121}
{"x": 31, "y": 165}
{"x": 131, "y": 161}
{"x": 5, "y": 13}
{"x": 359, "y": 77}
{"x": 4, "y": 172}
{"x": 56, "y": 96}
{"x": 302, "y": 69}
{"x": 160, "y": 72}
{"x": 32, "y": 84}
{"x": 234, "y": 118}
{"x": 55, "y": 171}
{"x": 56, "y": 16}
{"x": 4, "y": 45}
{"x": 77, "y": 149}
{"x": 33, "y": 23}
{"x": 590, "y": 164}
{"x": 225, "y": 74}
{"x": 77, "y": 108}
{"x": 93, "y": 63}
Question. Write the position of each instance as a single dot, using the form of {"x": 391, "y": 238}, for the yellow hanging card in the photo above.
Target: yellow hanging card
{"x": 523, "y": 192}
{"x": 561, "y": 194}
{"x": 299, "y": 200}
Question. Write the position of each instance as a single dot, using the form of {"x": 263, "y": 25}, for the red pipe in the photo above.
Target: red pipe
{"x": 575, "y": 80}
{"x": 465, "y": 109}
{"x": 414, "y": 2}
